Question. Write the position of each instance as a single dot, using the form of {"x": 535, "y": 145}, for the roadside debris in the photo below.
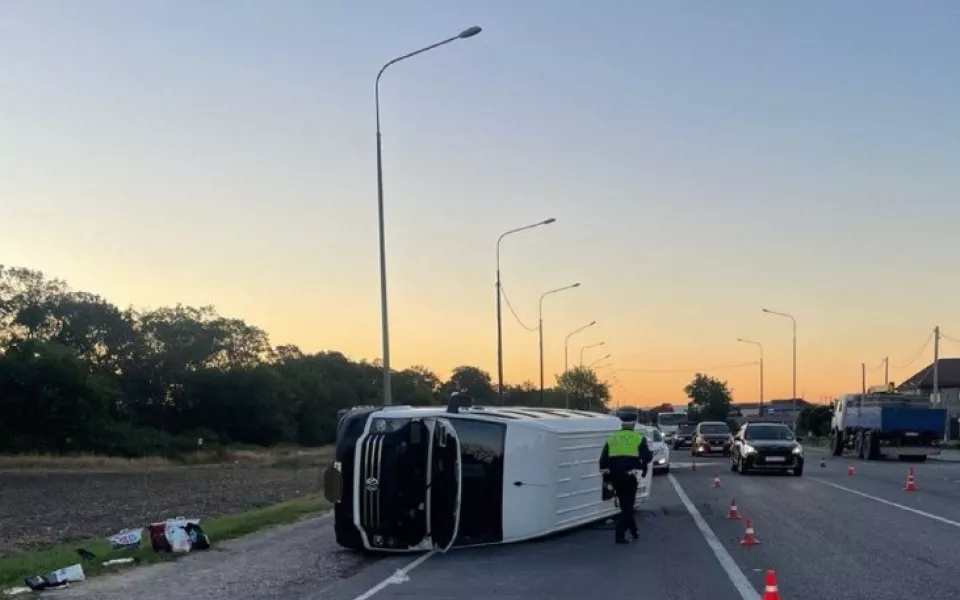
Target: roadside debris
{"x": 178, "y": 535}
{"x": 60, "y": 577}
{"x": 173, "y": 535}
{"x": 127, "y": 539}
{"x": 121, "y": 561}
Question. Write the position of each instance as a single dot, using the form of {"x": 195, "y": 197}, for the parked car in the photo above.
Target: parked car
{"x": 711, "y": 436}
{"x": 765, "y": 447}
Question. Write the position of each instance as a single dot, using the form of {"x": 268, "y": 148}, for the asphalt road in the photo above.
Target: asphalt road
{"x": 827, "y": 535}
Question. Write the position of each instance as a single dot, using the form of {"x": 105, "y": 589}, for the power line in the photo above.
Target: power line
{"x": 917, "y": 356}
{"x": 948, "y": 338}
{"x": 696, "y": 370}
{"x": 503, "y": 292}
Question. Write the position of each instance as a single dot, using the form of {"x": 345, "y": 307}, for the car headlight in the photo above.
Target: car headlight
{"x": 798, "y": 449}
{"x": 748, "y": 449}
{"x": 388, "y": 425}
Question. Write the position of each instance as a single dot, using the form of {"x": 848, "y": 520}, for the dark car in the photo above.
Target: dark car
{"x": 711, "y": 436}
{"x": 766, "y": 447}
{"x": 683, "y": 436}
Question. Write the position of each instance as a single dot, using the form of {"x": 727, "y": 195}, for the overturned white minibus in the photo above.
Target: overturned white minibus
{"x": 411, "y": 479}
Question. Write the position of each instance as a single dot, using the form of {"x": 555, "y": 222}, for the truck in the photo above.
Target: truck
{"x": 669, "y": 422}
{"x": 882, "y": 423}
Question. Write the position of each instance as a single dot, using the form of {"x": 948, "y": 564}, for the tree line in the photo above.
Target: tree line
{"x": 79, "y": 374}
{"x": 711, "y": 400}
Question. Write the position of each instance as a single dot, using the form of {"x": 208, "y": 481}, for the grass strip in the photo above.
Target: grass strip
{"x": 13, "y": 569}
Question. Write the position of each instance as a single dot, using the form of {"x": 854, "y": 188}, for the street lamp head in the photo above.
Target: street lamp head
{"x": 575, "y": 285}
{"x": 765, "y": 310}
{"x": 548, "y": 221}
{"x": 468, "y": 33}
{"x": 741, "y": 340}
{"x": 602, "y": 344}
{"x": 592, "y": 323}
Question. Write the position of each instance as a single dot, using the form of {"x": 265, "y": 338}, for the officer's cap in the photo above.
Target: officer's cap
{"x": 628, "y": 417}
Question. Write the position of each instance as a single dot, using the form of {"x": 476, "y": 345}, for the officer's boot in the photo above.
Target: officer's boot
{"x": 620, "y": 532}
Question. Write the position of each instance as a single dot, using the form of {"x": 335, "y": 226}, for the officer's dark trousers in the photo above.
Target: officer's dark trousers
{"x": 625, "y": 486}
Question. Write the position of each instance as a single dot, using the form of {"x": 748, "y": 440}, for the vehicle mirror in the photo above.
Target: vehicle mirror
{"x": 332, "y": 485}
{"x": 417, "y": 433}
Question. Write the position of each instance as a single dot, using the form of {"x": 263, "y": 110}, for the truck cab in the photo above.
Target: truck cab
{"x": 669, "y": 423}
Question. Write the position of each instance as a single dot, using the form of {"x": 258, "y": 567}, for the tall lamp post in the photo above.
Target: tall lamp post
{"x": 566, "y": 356}
{"x": 499, "y": 294}
{"x": 794, "y": 321}
{"x": 597, "y": 345}
{"x": 387, "y": 395}
{"x": 758, "y": 345}
{"x": 540, "y": 328}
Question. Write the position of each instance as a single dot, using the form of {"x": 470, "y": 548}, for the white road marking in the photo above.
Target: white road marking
{"x": 915, "y": 511}
{"x": 398, "y": 576}
{"x": 737, "y": 578}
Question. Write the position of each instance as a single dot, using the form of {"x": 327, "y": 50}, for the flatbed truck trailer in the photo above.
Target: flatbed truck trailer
{"x": 885, "y": 424}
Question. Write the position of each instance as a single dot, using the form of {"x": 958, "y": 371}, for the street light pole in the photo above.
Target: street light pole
{"x": 566, "y": 357}
{"x": 540, "y": 328}
{"x": 384, "y": 323}
{"x": 499, "y": 294}
{"x": 758, "y": 345}
{"x": 794, "y": 321}
{"x": 597, "y": 345}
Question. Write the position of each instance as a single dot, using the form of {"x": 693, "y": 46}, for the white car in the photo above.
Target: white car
{"x": 660, "y": 449}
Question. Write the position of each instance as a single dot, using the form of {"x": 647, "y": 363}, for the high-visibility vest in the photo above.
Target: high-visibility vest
{"x": 624, "y": 443}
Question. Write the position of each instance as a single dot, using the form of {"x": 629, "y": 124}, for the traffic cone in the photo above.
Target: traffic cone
{"x": 749, "y": 536}
{"x": 911, "y": 484}
{"x": 716, "y": 481}
{"x": 770, "y": 589}
{"x": 850, "y": 471}
{"x": 734, "y": 512}
{"x": 823, "y": 463}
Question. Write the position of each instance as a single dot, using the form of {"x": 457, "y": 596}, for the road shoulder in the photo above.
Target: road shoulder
{"x": 279, "y": 563}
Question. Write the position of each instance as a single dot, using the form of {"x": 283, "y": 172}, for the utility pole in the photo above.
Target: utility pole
{"x": 863, "y": 378}
{"x": 936, "y": 382}
{"x": 761, "y": 385}
{"x": 886, "y": 370}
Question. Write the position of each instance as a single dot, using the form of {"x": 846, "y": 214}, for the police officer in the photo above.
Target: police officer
{"x": 626, "y": 451}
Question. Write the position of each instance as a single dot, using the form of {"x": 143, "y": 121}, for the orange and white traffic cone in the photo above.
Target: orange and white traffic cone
{"x": 734, "y": 512}
{"x": 770, "y": 589}
{"x": 850, "y": 471}
{"x": 911, "y": 484}
{"x": 749, "y": 536}
{"x": 716, "y": 481}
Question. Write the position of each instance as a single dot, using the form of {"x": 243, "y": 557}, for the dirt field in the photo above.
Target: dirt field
{"x": 43, "y": 505}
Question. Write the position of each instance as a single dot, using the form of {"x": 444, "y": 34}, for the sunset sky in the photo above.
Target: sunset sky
{"x": 703, "y": 159}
